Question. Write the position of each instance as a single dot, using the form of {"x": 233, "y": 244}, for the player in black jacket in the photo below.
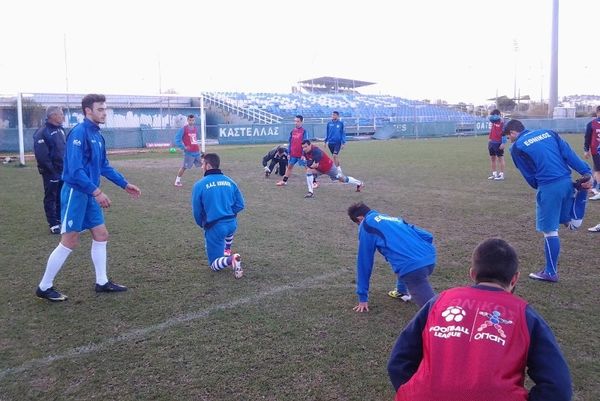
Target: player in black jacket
{"x": 49, "y": 148}
{"x": 277, "y": 155}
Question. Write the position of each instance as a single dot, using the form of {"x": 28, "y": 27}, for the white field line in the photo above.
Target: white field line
{"x": 165, "y": 325}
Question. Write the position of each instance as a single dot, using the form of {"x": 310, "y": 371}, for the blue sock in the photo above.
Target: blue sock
{"x": 551, "y": 250}
{"x": 579, "y": 203}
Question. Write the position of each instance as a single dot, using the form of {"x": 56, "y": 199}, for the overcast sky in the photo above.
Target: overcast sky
{"x": 461, "y": 50}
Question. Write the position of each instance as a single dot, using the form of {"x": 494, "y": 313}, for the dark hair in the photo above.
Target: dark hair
{"x": 306, "y": 142}
{"x": 495, "y": 112}
{"x": 597, "y": 108}
{"x": 89, "y": 100}
{"x": 191, "y": 116}
{"x": 494, "y": 260}
{"x": 336, "y": 113}
{"x": 300, "y": 117}
{"x": 356, "y": 210}
{"x": 513, "y": 125}
{"x": 213, "y": 159}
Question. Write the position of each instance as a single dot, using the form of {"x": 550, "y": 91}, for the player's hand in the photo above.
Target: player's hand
{"x": 587, "y": 184}
{"x": 501, "y": 147}
{"x": 361, "y": 307}
{"x": 103, "y": 200}
{"x": 133, "y": 190}
{"x": 586, "y": 155}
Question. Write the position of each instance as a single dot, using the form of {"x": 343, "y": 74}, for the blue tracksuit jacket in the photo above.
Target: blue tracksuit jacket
{"x": 85, "y": 159}
{"x": 335, "y": 132}
{"x": 405, "y": 247}
{"x": 215, "y": 197}
{"x": 543, "y": 157}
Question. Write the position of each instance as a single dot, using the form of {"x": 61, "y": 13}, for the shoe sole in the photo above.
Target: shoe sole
{"x": 237, "y": 272}
{"x": 52, "y": 300}
{"x": 537, "y": 278}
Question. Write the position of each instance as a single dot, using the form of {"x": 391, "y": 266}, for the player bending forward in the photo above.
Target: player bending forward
{"x": 318, "y": 163}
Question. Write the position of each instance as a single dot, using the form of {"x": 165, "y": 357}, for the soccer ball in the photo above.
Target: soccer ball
{"x": 454, "y": 313}
{"x": 172, "y": 150}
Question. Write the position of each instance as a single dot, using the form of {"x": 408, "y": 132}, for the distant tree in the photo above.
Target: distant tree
{"x": 34, "y": 114}
{"x": 170, "y": 91}
{"x": 505, "y": 104}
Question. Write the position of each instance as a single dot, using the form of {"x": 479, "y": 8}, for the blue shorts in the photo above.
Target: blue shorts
{"x": 554, "y": 202}
{"x": 494, "y": 149}
{"x": 293, "y": 160}
{"x": 214, "y": 238}
{"x": 334, "y": 147}
{"x": 190, "y": 161}
{"x": 79, "y": 211}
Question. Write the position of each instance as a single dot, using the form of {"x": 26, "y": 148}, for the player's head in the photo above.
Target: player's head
{"x": 358, "y": 211}
{"x": 598, "y": 111}
{"x": 94, "y": 107}
{"x": 191, "y": 119}
{"x": 210, "y": 161}
{"x": 495, "y": 116}
{"x": 306, "y": 145}
{"x": 335, "y": 115}
{"x": 513, "y": 128}
{"x": 280, "y": 149}
{"x": 55, "y": 115}
{"x": 495, "y": 261}
{"x": 298, "y": 120}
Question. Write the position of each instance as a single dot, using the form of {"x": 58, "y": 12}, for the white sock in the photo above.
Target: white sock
{"x": 340, "y": 170}
{"x": 99, "y": 258}
{"x": 55, "y": 262}
{"x": 177, "y": 179}
{"x": 353, "y": 181}
{"x": 309, "y": 182}
{"x": 495, "y": 174}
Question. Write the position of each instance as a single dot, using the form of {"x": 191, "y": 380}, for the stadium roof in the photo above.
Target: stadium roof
{"x": 333, "y": 84}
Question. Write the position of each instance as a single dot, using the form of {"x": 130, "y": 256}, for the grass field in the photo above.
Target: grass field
{"x": 286, "y": 330}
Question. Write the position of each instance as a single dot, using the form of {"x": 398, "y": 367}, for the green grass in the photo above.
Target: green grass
{"x": 287, "y": 329}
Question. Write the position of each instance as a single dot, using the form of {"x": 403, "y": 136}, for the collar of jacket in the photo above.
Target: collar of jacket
{"x": 90, "y": 124}
{"x": 212, "y": 171}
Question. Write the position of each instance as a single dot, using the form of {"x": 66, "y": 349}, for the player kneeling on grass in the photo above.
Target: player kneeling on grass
{"x": 407, "y": 248}
{"x": 216, "y": 201}
{"x": 475, "y": 343}
{"x": 318, "y": 163}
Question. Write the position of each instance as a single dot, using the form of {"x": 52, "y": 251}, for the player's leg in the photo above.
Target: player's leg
{"x": 310, "y": 178}
{"x": 574, "y": 209}
{"x": 188, "y": 162}
{"x": 596, "y": 174}
{"x": 228, "y": 244}
{"x": 282, "y": 166}
{"x": 215, "y": 242}
{"x": 73, "y": 209}
{"x": 52, "y": 203}
{"x": 350, "y": 180}
{"x": 549, "y": 207}
{"x": 401, "y": 291}
{"x": 418, "y": 285}
{"x": 500, "y": 163}
{"x": 288, "y": 171}
{"x": 492, "y": 153}
{"x": 94, "y": 220}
